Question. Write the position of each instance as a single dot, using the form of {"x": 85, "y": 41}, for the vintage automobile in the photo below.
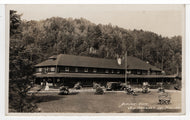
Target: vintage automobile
{"x": 99, "y": 91}
{"x": 113, "y": 86}
{"x": 161, "y": 87}
{"x": 130, "y": 91}
{"x": 145, "y": 87}
{"x": 95, "y": 85}
{"x": 64, "y": 90}
{"x": 78, "y": 85}
{"x": 164, "y": 98}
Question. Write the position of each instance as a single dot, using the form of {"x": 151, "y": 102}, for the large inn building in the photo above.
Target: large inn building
{"x": 70, "y": 69}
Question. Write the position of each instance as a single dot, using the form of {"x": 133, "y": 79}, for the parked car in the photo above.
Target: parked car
{"x": 64, "y": 90}
{"x": 130, "y": 91}
{"x": 145, "y": 87}
{"x": 99, "y": 91}
{"x": 161, "y": 87}
{"x": 78, "y": 85}
{"x": 113, "y": 86}
{"x": 164, "y": 98}
{"x": 95, "y": 85}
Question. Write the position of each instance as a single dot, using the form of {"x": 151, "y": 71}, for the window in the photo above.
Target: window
{"x": 133, "y": 72}
{"x": 118, "y": 71}
{"x": 38, "y": 70}
{"x": 148, "y": 72}
{"x": 128, "y": 72}
{"x": 52, "y": 69}
{"x": 44, "y": 70}
{"x": 85, "y": 69}
{"x": 144, "y": 73}
{"x": 106, "y": 71}
{"x": 76, "y": 69}
{"x": 154, "y": 73}
{"x": 138, "y": 72}
{"x": 67, "y": 69}
{"x": 112, "y": 71}
{"x": 94, "y": 70}
{"x": 61, "y": 69}
{"x": 48, "y": 69}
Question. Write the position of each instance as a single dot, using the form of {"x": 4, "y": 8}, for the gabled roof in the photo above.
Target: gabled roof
{"x": 83, "y": 61}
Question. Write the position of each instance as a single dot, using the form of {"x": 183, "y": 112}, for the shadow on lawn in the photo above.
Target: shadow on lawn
{"x": 47, "y": 98}
{"x": 73, "y": 93}
{"x": 38, "y": 99}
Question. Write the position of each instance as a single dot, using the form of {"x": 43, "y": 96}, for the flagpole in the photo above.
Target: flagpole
{"x": 126, "y": 68}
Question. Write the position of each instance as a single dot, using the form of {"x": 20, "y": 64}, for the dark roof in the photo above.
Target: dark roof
{"x": 83, "y": 61}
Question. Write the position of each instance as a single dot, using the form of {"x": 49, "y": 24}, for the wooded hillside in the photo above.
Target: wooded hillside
{"x": 35, "y": 41}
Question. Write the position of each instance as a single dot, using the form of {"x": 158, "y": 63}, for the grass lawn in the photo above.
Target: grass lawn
{"x": 110, "y": 102}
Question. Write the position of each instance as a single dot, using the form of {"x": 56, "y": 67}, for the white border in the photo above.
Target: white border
{"x": 94, "y": 1}
{"x": 187, "y": 61}
{"x": 2, "y": 59}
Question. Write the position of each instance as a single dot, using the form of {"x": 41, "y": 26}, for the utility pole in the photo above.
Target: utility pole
{"x": 126, "y": 68}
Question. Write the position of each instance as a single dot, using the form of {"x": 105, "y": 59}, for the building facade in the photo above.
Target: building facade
{"x": 70, "y": 69}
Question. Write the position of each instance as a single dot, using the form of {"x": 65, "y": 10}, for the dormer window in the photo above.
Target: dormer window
{"x": 85, "y": 69}
{"x": 66, "y": 69}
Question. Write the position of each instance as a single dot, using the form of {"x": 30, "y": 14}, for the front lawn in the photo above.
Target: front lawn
{"x": 110, "y": 102}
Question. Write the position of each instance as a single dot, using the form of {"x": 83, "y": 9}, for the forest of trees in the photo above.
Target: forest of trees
{"x": 56, "y": 35}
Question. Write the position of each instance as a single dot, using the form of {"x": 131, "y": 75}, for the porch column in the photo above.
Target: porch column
{"x": 53, "y": 82}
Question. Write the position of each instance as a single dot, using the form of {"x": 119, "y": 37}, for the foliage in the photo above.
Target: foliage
{"x": 81, "y": 37}
{"x": 15, "y": 21}
{"x": 20, "y": 68}
{"x": 19, "y": 101}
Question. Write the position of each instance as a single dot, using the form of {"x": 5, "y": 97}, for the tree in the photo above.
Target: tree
{"x": 15, "y": 22}
{"x": 20, "y": 69}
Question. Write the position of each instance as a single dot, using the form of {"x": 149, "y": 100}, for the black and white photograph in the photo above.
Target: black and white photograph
{"x": 88, "y": 58}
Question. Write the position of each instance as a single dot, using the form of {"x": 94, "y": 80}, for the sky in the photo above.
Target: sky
{"x": 165, "y": 20}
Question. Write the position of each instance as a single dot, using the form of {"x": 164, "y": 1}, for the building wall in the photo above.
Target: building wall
{"x": 70, "y": 69}
{"x": 88, "y": 82}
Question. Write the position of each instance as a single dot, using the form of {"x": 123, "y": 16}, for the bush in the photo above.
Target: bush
{"x": 19, "y": 100}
